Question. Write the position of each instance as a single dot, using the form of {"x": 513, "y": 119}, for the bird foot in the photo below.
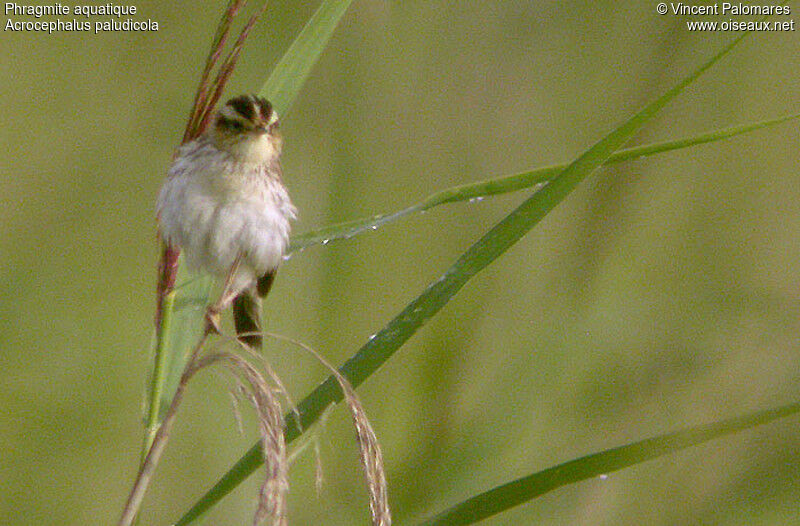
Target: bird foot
{"x": 212, "y": 320}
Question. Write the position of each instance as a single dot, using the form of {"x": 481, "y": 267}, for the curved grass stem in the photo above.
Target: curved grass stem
{"x": 515, "y": 182}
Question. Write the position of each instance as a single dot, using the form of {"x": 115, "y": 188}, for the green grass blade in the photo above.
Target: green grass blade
{"x": 524, "y": 489}
{"x": 348, "y": 229}
{"x": 491, "y": 246}
{"x": 182, "y": 322}
{"x": 513, "y": 183}
{"x": 293, "y": 69}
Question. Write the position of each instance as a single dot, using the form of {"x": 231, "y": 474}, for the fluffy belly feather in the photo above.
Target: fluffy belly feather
{"x": 215, "y": 217}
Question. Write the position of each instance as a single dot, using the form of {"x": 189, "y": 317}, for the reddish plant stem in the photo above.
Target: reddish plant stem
{"x": 167, "y": 272}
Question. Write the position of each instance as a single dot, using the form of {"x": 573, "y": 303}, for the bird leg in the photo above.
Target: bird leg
{"x": 229, "y": 292}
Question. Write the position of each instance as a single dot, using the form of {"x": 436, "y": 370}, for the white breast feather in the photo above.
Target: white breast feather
{"x": 215, "y": 208}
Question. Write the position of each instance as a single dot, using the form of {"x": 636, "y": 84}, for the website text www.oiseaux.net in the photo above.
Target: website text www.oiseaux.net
{"x": 737, "y": 25}
{"x": 726, "y": 10}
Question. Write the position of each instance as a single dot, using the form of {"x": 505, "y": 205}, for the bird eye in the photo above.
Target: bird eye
{"x": 233, "y": 125}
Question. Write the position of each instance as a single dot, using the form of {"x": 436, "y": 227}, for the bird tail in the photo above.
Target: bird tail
{"x": 247, "y": 312}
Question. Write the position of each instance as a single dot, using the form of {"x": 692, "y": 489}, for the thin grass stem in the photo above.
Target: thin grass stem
{"x": 159, "y": 374}
{"x": 513, "y": 183}
{"x": 159, "y": 441}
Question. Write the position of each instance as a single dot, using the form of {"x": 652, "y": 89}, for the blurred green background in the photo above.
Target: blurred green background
{"x": 665, "y": 292}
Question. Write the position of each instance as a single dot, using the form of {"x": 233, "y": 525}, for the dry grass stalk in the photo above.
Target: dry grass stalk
{"x": 272, "y": 501}
{"x": 318, "y": 470}
{"x": 270, "y": 371}
{"x": 369, "y": 447}
{"x": 371, "y": 457}
{"x": 236, "y": 396}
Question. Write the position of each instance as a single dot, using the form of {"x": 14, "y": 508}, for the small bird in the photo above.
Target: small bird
{"x": 225, "y": 206}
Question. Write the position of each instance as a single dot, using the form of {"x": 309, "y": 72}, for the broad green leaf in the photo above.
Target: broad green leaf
{"x": 183, "y": 321}
{"x": 524, "y": 489}
{"x": 512, "y": 183}
{"x": 293, "y": 69}
{"x": 491, "y": 246}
